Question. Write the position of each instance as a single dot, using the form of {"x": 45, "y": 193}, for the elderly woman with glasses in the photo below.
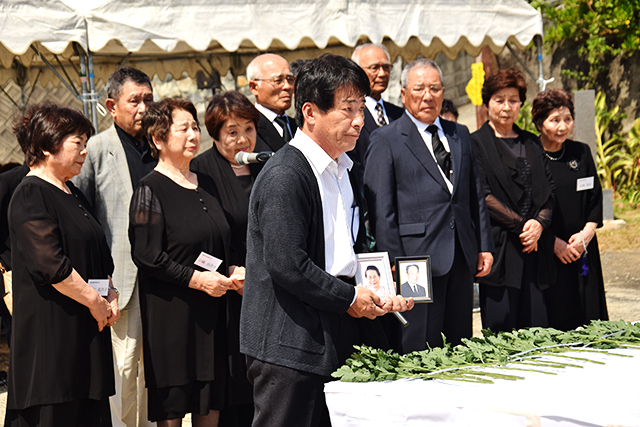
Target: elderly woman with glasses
{"x": 231, "y": 120}
{"x": 519, "y": 193}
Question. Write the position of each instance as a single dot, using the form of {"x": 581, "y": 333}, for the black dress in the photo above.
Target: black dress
{"x": 184, "y": 334}
{"x": 518, "y": 186}
{"x": 57, "y": 353}
{"x": 578, "y": 296}
{"x": 233, "y": 192}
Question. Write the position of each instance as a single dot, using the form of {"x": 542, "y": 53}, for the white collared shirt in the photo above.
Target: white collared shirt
{"x": 371, "y": 103}
{"x": 271, "y": 116}
{"x": 340, "y": 215}
{"x": 426, "y": 137}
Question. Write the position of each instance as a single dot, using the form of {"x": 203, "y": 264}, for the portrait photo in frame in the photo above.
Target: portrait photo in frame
{"x": 374, "y": 273}
{"x": 413, "y": 275}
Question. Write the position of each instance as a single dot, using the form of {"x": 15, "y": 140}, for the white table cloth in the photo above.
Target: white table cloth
{"x": 595, "y": 395}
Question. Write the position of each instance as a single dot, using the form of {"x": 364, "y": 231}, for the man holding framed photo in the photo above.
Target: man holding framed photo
{"x": 301, "y": 311}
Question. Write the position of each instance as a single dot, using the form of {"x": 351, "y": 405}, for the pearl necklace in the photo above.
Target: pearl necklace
{"x": 555, "y": 159}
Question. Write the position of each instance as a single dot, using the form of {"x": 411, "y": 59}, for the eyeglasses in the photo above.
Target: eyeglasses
{"x": 434, "y": 90}
{"x": 278, "y": 81}
{"x": 376, "y": 67}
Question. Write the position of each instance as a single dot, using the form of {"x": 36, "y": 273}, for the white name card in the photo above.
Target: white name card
{"x": 583, "y": 184}
{"x": 100, "y": 285}
{"x": 208, "y": 262}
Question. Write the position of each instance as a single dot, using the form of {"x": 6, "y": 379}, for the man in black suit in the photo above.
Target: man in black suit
{"x": 425, "y": 198}
{"x": 301, "y": 312}
{"x": 271, "y": 82}
{"x": 411, "y": 288}
{"x": 374, "y": 60}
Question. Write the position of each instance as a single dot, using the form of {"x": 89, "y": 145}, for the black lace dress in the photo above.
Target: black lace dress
{"x": 518, "y": 187}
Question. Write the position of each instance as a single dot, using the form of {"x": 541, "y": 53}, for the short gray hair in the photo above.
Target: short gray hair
{"x": 419, "y": 63}
{"x": 355, "y": 56}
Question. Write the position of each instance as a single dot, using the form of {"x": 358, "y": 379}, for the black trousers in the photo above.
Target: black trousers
{"x": 286, "y": 397}
{"x": 450, "y": 313}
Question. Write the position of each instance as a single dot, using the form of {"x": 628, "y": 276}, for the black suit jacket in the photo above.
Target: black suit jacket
{"x": 408, "y": 292}
{"x": 293, "y": 311}
{"x": 410, "y": 208}
{"x": 370, "y": 124}
{"x": 268, "y": 138}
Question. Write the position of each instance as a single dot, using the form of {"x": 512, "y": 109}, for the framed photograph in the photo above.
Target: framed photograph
{"x": 374, "y": 272}
{"x": 413, "y": 276}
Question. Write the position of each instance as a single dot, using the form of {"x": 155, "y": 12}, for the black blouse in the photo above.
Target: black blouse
{"x": 169, "y": 227}
{"x": 57, "y": 354}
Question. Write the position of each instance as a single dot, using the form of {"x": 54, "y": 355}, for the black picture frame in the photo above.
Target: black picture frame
{"x": 424, "y": 287}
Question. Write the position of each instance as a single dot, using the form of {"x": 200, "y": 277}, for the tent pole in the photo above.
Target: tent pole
{"x": 542, "y": 83}
{"x": 515, "y": 54}
{"x": 71, "y": 89}
{"x": 83, "y": 82}
{"x": 92, "y": 88}
{"x": 540, "y": 80}
{"x": 10, "y": 98}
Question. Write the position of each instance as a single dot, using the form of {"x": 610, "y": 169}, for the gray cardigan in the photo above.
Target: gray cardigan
{"x": 293, "y": 311}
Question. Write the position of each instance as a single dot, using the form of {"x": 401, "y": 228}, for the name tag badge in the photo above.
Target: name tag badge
{"x": 100, "y": 285}
{"x": 208, "y": 262}
{"x": 583, "y": 184}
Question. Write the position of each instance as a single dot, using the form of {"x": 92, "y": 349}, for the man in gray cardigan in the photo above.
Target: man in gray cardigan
{"x": 301, "y": 312}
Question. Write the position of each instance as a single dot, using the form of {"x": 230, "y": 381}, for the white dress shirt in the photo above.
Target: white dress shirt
{"x": 426, "y": 136}
{"x": 340, "y": 215}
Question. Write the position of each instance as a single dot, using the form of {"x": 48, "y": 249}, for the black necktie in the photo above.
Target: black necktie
{"x": 284, "y": 124}
{"x": 443, "y": 157}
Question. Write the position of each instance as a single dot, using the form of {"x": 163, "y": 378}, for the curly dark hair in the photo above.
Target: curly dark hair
{"x": 43, "y": 127}
{"x": 503, "y": 79}
{"x": 549, "y": 100}
{"x": 157, "y": 119}
{"x": 222, "y": 107}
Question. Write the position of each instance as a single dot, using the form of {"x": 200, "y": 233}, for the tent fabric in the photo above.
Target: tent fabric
{"x": 167, "y": 36}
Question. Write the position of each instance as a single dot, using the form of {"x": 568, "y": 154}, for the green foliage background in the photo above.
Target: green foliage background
{"x": 598, "y": 31}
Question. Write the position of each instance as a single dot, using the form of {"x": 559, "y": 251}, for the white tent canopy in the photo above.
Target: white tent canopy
{"x": 168, "y": 36}
{"x": 69, "y": 40}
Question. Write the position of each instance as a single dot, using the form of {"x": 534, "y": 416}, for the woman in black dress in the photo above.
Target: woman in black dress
{"x": 61, "y": 365}
{"x": 231, "y": 121}
{"x": 519, "y": 194}
{"x": 577, "y": 296}
{"x": 180, "y": 242}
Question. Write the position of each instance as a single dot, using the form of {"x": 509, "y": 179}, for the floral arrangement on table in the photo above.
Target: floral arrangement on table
{"x": 517, "y": 350}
